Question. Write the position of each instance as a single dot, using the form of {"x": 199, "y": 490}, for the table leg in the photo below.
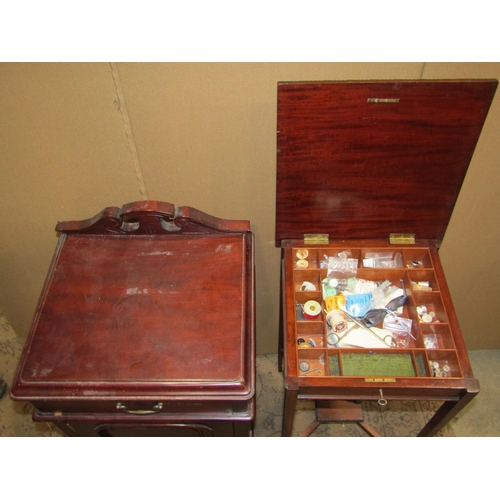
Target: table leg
{"x": 446, "y": 412}
{"x": 280, "y": 327}
{"x": 289, "y": 411}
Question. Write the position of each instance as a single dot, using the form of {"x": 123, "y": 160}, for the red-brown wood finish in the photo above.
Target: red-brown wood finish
{"x": 456, "y": 391}
{"x": 359, "y": 161}
{"x": 146, "y": 309}
{"x": 366, "y": 159}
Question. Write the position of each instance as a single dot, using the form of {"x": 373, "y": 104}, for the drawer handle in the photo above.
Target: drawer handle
{"x": 155, "y": 409}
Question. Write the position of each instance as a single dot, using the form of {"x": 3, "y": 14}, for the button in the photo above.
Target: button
{"x": 304, "y": 366}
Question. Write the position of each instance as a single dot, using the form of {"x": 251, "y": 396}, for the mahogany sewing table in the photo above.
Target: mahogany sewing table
{"x": 145, "y": 326}
{"x": 367, "y": 168}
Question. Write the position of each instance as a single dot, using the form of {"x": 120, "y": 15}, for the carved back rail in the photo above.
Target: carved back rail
{"x": 152, "y": 217}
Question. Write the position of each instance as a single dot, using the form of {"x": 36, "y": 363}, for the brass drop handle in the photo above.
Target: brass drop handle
{"x": 155, "y": 409}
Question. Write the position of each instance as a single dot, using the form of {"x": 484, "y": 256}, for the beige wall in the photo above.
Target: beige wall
{"x": 78, "y": 137}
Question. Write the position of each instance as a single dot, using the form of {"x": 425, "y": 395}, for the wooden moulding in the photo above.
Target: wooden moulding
{"x": 152, "y": 217}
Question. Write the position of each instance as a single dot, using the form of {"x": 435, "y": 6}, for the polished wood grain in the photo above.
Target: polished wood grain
{"x": 366, "y": 159}
{"x": 145, "y": 308}
{"x": 152, "y": 217}
{"x": 359, "y": 161}
{"x": 456, "y": 391}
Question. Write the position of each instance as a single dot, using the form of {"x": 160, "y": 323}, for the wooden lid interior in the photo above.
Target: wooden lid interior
{"x": 362, "y": 160}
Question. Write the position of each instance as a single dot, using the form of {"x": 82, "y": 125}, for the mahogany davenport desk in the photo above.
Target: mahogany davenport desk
{"x": 367, "y": 170}
{"x": 145, "y": 326}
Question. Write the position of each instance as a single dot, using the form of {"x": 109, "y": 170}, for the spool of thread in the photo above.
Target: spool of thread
{"x": 336, "y": 321}
{"x": 311, "y": 309}
{"x": 302, "y": 253}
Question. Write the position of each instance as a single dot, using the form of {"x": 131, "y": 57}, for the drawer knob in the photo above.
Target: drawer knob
{"x": 154, "y": 409}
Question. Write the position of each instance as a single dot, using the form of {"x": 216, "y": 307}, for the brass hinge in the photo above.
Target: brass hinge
{"x": 402, "y": 239}
{"x": 316, "y": 239}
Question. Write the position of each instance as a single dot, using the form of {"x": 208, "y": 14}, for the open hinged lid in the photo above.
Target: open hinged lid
{"x": 365, "y": 159}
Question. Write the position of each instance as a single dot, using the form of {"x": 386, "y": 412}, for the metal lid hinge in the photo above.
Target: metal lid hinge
{"x": 402, "y": 239}
{"x": 316, "y": 239}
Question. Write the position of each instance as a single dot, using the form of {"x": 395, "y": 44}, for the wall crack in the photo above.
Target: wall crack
{"x": 122, "y": 108}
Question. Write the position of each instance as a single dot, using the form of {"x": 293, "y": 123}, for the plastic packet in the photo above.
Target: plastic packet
{"x": 384, "y": 294}
{"x": 364, "y": 286}
{"x": 334, "y": 286}
{"x": 431, "y": 341}
{"x": 341, "y": 267}
{"x": 358, "y": 304}
{"x": 383, "y": 260}
{"x": 381, "y": 293}
{"x": 396, "y": 323}
{"x": 400, "y": 329}
{"x": 346, "y": 254}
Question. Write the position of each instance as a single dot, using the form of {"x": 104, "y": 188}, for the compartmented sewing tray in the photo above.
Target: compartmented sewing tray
{"x": 366, "y": 169}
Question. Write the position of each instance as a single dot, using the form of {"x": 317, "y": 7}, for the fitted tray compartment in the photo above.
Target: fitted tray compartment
{"x": 428, "y": 342}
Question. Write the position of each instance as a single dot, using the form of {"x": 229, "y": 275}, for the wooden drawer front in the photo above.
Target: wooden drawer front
{"x": 145, "y": 409}
{"x": 180, "y": 420}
